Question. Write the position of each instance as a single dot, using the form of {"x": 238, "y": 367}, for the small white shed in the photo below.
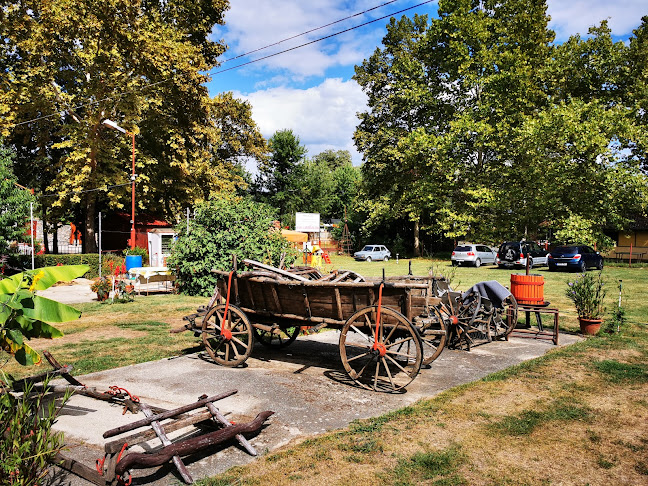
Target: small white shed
{"x": 159, "y": 246}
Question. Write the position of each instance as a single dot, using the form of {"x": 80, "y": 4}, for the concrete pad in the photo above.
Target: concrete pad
{"x": 304, "y": 384}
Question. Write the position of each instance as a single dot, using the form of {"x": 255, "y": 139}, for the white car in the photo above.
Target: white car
{"x": 476, "y": 255}
{"x": 373, "y": 252}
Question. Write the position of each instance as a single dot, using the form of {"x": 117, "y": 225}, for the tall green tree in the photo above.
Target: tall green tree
{"x": 280, "y": 176}
{"x": 67, "y": 66}
{"x": 14, "y": 204}
{"x": 461, "y": 133}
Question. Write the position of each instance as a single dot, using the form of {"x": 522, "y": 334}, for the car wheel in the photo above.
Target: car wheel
{"x": 599, "y": 265}
{"x": 368, "y": 259}
{"x": 477, "y": 263}
{"x": 582, "y": 268}
{"x": 552, "y": 268}
{"x": 386, "y": 259}
{"x": 454, "y": 263}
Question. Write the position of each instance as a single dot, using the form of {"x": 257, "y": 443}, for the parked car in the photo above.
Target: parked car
{"x": 515, "y": 254}
{"x": 575, "y": 257}
{"x": 476, "y": 255}
{"x": 373, "y": 252}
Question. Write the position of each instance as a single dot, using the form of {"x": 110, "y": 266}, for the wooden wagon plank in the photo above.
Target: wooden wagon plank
{"x": 79, "y": 469}
{"x": 269, "y": 268}
{"x": 165, "y": 415}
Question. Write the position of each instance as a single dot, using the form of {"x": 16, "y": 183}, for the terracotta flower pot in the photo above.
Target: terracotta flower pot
{"x": 589, "y": 326}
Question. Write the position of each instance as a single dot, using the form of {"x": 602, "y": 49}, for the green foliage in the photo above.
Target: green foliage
{"x": 27, "y": 443}
{"x": 480, "y": 128}
{"x": 138, "y": 251}
{"x": 25, "y": 315}
{"x": 588, "y": 295}
{"x": 91, "y": 260}
{"x": 14, "y": 204}
{"x": 441, "y": 465}
{"x": 280, "y": 176}
{"x": 56, "y": 56}
{"x": 618, "y": 372}
{"x": 576, "y": 229}
{"x": 222, "y": 228}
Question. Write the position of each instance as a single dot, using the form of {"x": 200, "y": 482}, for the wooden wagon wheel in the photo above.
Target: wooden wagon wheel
{"x": 230, "y": 343}
{"x": 433, "y": 335}
{"x": 277, "y": 338}
{"x": 388, "y": 363}
{"x": 467, "y": 309}
{"x": 509, "y": 313}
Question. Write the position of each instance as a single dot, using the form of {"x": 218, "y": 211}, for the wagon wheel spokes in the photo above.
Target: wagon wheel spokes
{"x": 510, "y": 313}
{"x": 467, "y": 310}
{"x": 228, "y": 342}
{"x": 390, "y": 365}
{"x": 277, "y": 338}
{"x": 433, "y": 335}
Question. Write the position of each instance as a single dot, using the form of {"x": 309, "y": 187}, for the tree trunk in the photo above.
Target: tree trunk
{"x": 90, "y": 232}
{"x": 417, "y": 242}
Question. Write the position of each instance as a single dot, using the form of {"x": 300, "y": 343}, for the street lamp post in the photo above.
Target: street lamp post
{"x": 112, "y": 124}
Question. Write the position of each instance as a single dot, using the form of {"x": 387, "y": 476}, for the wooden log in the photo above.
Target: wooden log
{"x": 115, "y": 446}
{"x": 55, "y": 364}
{"x": 239, "y": 437}
{"x": 136, "y": 460}
{"x": 166, "y": 415}
{"x": 79, "y": 469}
{"x": 159, "y": 431}
{"x": 269, "y": 268}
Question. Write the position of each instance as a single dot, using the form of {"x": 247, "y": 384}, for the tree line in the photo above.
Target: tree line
{"x": 479, "y": 125}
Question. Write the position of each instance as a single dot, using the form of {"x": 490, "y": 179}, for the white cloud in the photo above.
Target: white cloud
{"x": 577, "y": 16}
{"x": 323, "y": 116}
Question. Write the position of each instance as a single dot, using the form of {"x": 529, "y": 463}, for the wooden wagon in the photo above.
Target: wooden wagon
{"x": 389, "y": 328}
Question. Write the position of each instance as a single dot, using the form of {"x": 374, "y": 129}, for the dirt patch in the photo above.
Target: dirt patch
{"x": 94, "y": 334}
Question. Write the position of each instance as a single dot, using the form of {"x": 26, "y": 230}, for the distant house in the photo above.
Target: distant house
{"x": 116, "y": 228}
{"x": 635, "y": 238}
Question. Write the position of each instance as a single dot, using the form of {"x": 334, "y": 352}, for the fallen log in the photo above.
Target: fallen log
{"x": 138, "y": 460}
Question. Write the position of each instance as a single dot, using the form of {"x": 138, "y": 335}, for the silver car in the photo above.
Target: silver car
{"x": 372, "y": 252}
{"x": 476, "y": 255}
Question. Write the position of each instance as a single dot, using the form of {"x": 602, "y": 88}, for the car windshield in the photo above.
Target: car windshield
{"x": 463, "y": 248}
{"x": 367, "y": 248}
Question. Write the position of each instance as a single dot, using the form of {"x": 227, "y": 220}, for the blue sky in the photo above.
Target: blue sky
{"x": 310, "y": 91}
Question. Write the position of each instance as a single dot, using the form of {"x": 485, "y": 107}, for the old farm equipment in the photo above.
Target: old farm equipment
{"x": 199, "y": 428}
{"x": 389, "y": 328}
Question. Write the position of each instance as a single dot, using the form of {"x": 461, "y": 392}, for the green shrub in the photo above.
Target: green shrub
{"x": 28, "y": 443}
{"x": 143, "y": 252}
{"x": 222, "y": 228}
{"x": 47, "y": 260}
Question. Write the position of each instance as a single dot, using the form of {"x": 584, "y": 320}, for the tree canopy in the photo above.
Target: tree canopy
{"x": 480, "y": 127}
{"x": 67, "y": 66}
{"x": 14, "y": 204}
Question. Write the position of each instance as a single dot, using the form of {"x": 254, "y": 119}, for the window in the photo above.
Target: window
{"x": 167, "y": 242}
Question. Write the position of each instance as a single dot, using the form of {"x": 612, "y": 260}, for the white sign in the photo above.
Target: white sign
{"x": 307, "y": 222}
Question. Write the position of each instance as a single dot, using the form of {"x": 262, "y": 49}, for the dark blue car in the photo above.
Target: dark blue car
{"x": 576, "y": 257}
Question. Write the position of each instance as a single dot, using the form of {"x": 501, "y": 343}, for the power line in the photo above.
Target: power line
{"x": 151, "y": 85}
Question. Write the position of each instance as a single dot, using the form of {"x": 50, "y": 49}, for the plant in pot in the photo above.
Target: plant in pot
{"x": 102, "y": 286}
{"x": 588, "y": 294}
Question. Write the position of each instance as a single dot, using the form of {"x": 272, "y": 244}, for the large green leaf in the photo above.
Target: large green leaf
{"x": 63, "y": 273}
{"x": 26, "y": 356}
{"x": 48, "y": 277}
{"x": 47, "y": 310}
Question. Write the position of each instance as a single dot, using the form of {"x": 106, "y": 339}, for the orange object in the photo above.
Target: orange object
{"x": 528, "y": 289}
{"x": 326, "y": 257}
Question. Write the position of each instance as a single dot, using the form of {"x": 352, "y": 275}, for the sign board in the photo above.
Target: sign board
{"x": 307, "y": 222}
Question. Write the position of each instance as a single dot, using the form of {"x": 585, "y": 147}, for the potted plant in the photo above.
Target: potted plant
{"x": 588, "y": 294}
{"x": 102, "y": 286}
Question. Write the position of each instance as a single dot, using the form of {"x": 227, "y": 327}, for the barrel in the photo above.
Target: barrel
{"x": 133, "y": 261}
{"x": 528, "y": 289}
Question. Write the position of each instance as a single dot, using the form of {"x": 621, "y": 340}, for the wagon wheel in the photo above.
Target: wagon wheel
{"x": 466, "y": 312}
{"x": 433, "y": 336}
{"x": 509, "y": 314}
{"x": 278, "y": 338}
{"x": 395, "y": 360}
{"x": 231, "y": 344}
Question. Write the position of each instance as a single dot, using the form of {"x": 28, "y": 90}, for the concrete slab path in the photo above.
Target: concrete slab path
{"x": 304, "y": 384}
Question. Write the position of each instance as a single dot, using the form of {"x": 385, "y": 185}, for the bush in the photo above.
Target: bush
{"x": 143, "y": 252}
{"x": 27, "y": 444}
{"x": 47, "y": 260}
{"x": 222, "y": 228}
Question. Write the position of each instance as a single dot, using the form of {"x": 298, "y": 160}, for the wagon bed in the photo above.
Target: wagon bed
{"x": 389, "y": 328}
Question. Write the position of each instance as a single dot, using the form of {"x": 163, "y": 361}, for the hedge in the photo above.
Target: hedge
{"x": 19, "y": 262}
